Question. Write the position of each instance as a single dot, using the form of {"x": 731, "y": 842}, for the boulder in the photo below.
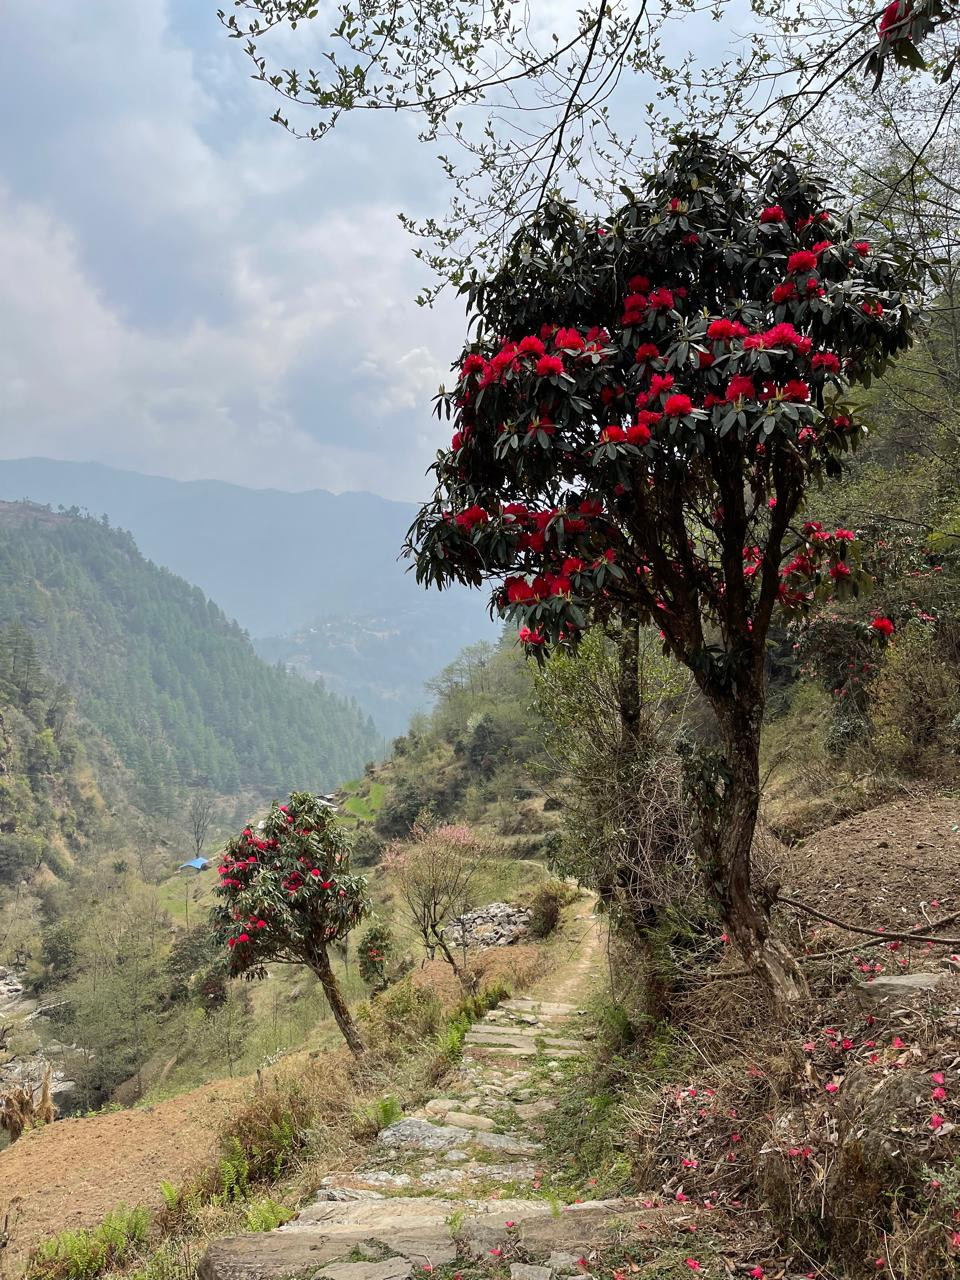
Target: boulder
{"x": 899, "y": 988}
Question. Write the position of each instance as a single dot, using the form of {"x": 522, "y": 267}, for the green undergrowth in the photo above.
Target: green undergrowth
{"x": 585, "y": 1138}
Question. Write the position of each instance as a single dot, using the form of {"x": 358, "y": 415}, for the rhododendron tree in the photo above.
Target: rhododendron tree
{"x": 703, "y": 338}
{"x": 286, "y": 895}
{"x": 374, "y": 951}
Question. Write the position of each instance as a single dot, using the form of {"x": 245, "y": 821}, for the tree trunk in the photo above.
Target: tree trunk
{"x": 320, "y": 964}
{"x": 730, "y": 831}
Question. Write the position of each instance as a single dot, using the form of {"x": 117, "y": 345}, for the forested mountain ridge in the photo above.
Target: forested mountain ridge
{"x": 173, "y": 684}
{"x": 342, "y": 605}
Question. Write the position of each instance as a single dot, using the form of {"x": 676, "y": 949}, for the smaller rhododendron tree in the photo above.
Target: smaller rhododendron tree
{"x": 286, "y": 896}
{"x": 373, "y": 956}
{"x": 638, "y": 417}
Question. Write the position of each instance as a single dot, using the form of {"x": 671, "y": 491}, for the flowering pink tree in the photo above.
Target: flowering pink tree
{"x": 638, "y": 417}
{"x": 286, "y": 895}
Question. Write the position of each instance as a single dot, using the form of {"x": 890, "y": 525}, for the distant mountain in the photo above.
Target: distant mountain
{"x": 313, "y": 576}
{"x": 156, "y": 668}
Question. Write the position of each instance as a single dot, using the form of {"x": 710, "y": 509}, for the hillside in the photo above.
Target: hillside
{"x": 342, "y": 607}
{"x": 161, "y": 672}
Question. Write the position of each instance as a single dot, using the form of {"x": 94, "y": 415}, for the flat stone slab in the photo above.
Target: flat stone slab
{"x": 421, "y": 1135}
{"x": 483, "y": 1048}
{"x": 390, "y": 1269}
{"x": 500, "y": 1035}
{"x": 525, "y": 1271}
{"x": 548, "y": 1008}
{"x": 578, "y": 1229}
{"x": 305, "y": 1254}
{"x": 531, "y": 1110}
{"x": 899, "y": 987}
{"x": 468, "y": 1121}
{"x": 440, "y": 1106}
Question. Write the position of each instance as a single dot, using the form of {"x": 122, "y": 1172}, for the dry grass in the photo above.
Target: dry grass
{"x": 26, "y": 1107}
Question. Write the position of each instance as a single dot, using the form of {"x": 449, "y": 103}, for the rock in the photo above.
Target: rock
{"x": 344, "y": 1194}
{"x": 455, "y": 1157}
{"x": 498, "y": 924}
{"x": 421, "y": 1135}
{"x": 530, "y": 1110}
{"x": 440, "y": 1106}
{"x": 442, "y": 1177}
{"x": 565, "y": 1263}
{"x": 525, "y": 1271}
{"x": 390, "y": 1269}
{"x": 898, "y": 988}
{"x": 466, "y": 1121}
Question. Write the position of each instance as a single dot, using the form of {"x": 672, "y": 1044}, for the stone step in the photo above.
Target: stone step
{"x": 499, "y": 1035}
{"x": 485, "y": 1049}
{"x": 327, "y": 1239}
{"x": 545, "y": 1008}
{"x": 420, "y": 1135}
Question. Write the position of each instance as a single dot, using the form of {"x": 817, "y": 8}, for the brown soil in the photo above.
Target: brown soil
{"x": 70, "y": 1174}
{"x": 886, "y": 866}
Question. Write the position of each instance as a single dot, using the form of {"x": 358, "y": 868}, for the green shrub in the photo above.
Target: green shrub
{"x": 546, "y": 905}
{"x": 374, "y": 951}
{"x": 916, "y": 699}
{"x": 266, "y": 1215}
{"x": 88, "y": 1252}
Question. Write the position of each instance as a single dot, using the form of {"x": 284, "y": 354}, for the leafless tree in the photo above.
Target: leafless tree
{"x": 199, "y": 815}
{"x": 437, "y": 872}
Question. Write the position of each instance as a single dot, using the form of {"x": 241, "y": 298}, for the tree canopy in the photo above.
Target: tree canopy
{"x": 643, "y": 407}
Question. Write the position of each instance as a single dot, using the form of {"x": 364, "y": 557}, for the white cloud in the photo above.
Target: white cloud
{"x": 186, "y": 290}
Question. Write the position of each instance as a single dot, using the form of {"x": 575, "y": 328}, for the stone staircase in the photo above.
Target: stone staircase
{"x": 454, "y": 1183}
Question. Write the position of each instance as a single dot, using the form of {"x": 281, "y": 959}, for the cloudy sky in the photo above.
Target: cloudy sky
{"x": 188, "y": 291}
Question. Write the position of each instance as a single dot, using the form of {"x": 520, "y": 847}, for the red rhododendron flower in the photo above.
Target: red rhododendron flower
{"x": 796, "y": 392}
{"x": 569, "y": 340}
{"x": 774, "y": 213}
{"x": 839, "y": 570}
{"x": 634, "y": 306}
{"x": 677, "y": 406}
{"x": 638, "y": 434}
{"x": 661, "y": 300}
{"x": 519, "y": 591}
{"x": 639, "y": 284}
{"x": 473, "y": 364}
{"x": 802, "y": 260}
{"x": 613, "y": 435}
{"x": 469, "y": 519}
{"x": 883, "y": 627}
{"x": 661, "y": 382}
{"x": 784, "y": 292}
{"x": 724, "y": 329}
{"x": 740, "y": 385}
{"x": 862, "y": 247}
{"x": 531, "y": 346}
{"x": 827, "y": 360}
{"x": 893, "y": 15}
{"x": 647, "y": 351}
{"x": 548, "y": 366}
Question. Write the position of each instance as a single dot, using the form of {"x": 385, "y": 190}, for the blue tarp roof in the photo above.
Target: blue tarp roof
{"x": 195, "y": 864}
